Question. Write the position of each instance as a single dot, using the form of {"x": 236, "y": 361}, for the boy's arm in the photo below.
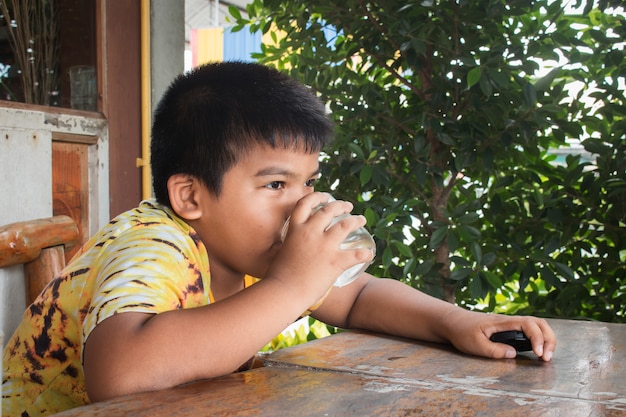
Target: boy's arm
{"x": 132, "y": 352}
{"x": 391, "y": 307}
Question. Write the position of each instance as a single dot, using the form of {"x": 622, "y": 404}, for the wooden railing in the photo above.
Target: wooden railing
{"x": 40, "y": 245}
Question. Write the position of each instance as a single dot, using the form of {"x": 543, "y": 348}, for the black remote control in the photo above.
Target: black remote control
{"x": 514, "y": 338}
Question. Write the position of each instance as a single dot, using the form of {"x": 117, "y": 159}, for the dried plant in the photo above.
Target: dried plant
{"x": 33, "y": 35}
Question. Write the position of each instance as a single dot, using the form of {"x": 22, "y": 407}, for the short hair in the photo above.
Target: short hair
{"x": 210, "y": 116}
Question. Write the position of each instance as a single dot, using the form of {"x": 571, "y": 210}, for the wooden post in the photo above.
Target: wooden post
{"x": 41, "y": 270}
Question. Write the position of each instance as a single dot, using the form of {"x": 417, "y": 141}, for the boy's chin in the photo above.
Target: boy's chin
{"x": 260, "y": 269}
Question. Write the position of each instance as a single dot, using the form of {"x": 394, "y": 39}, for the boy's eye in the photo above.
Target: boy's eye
{"x": 311, "y": 182}
{"x": 276, "y": 185}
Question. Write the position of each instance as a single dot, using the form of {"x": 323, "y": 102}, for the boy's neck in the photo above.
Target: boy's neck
{"x": 223, "y": 286}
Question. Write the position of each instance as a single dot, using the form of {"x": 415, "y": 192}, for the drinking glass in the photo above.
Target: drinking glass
{"x": 358, "y": 239}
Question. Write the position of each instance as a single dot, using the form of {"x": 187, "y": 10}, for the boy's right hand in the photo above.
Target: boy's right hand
{"x": 310, "y": 259}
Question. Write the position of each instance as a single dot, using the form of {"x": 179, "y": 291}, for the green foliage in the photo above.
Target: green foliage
{"x": 301, "y": 332}
{"x": 453, "y": 140}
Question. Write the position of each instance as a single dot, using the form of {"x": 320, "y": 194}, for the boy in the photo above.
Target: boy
{"x": 162, "y": 296}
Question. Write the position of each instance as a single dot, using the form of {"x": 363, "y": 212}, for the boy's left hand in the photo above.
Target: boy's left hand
{"x": 470, "y": 333}
{"x": 392, "y": 307}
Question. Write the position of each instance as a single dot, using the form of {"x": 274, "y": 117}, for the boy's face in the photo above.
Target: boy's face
{"x": 241, "y": 227}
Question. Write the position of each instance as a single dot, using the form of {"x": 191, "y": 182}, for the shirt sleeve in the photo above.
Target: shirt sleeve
{"x": 148, "y": 271}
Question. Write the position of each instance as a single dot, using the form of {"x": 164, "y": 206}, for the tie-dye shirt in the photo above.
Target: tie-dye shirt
{"x": 146, "y": 260}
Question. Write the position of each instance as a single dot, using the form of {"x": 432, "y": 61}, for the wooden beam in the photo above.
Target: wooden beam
{"x": 22, "y": 242}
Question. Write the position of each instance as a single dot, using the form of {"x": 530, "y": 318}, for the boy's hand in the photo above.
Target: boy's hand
{"x": 310, "y": 259}
{"x": 470, "y": 333}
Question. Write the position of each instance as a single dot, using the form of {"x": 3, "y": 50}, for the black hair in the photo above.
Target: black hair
{"x": 209, "y": 117}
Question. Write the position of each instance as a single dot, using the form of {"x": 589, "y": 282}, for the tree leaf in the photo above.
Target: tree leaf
{"x": 437, "y": 237}
{"x": 473, "y": 76}
{"x": 366, "y": 174}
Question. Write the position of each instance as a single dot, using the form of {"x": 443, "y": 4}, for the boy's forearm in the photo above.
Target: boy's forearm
{"x": 391, "y": 307}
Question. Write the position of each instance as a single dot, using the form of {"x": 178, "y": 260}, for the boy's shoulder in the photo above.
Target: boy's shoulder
{"x": 148, "y": 222}
{"x": 148, "y": 216}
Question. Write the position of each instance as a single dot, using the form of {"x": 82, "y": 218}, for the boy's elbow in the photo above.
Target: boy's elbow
{"x": 105, "y": 384}
{"x": 105, "y": 381}
{"x": 112, "y": 363}
{"x": 102, "y": 390}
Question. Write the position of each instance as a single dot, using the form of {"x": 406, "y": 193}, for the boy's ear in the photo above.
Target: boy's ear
{"x": 184, "y": 195}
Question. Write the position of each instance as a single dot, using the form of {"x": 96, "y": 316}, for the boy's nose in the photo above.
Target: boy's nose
{"x": 294, "y": 200}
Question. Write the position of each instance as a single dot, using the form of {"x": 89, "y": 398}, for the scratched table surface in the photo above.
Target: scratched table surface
{"x": 361, "y": 374}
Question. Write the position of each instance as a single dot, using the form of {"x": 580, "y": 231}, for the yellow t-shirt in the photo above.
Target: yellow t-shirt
{"x": 146, "y": 260}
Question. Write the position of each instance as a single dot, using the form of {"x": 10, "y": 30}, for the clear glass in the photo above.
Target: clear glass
{"x": 358, "y": 239}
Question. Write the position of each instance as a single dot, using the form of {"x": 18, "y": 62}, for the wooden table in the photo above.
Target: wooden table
{"x": 360, "y": 374}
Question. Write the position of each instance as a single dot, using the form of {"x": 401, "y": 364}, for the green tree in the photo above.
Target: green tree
{"x": 448, "y": 133}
